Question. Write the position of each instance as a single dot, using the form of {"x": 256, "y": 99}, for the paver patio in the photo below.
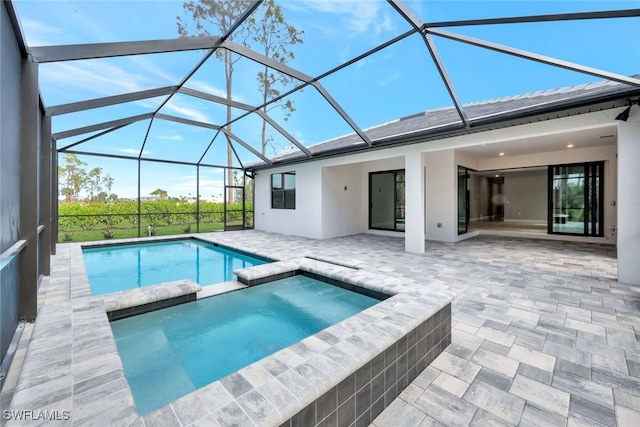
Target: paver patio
{"x": 543, "y": 334}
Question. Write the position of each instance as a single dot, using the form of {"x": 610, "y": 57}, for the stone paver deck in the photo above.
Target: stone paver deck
{"x": 542, "y": 333}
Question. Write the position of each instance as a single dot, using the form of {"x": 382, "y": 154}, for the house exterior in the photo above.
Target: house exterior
{"x": 576, "y": 139}
{"x": 432, "y": 176}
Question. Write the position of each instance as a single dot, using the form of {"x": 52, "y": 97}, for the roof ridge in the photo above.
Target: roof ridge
{"x": 545, "y": 92}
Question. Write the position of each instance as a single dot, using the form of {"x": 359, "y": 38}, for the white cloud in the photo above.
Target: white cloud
{"x": 131, "y": 151}
{"x": 152, "y": 69}
{"x": 187, "y": 178}
{"x": 390, "y": 78}
{"x": 39, "y": 34}
{"x": 127, "y": 191}
{"x": 97, "y": 78}
{"x": 355, "y": 17}
{"x": 177, "y": 107}
{"x": 210, "y": 171}
{"x": 385, "y": 25}
{"x": 206, "y": 87}
{"x": 214, "y": 90}
{"x": 171, "y": 137}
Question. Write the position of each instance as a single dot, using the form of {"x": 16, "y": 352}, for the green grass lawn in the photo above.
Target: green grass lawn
{"x": 126, "y": 232}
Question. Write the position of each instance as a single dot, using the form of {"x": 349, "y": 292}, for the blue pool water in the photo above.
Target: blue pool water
{"x": 122, "y": 267}
{"x": 171, "y": 352}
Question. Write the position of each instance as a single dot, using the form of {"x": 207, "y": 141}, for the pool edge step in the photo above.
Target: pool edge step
{"x": 220, "y": 288}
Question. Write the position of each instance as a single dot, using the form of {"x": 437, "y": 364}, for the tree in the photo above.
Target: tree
{"x": 102, "y": 196}
{"x": 73, "y": 178}
{"x": 274, "y": 36}
{"x": 160, "y": 193}
{"x": 219, "y": 15}
{"x": 94, "y": 182}
{"x": 73, "y": 175}
{"x": 267, "y": 27}
{"x": 108, "y": 182}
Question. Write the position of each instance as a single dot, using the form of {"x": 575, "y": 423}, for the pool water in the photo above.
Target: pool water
{"x": 122, "y": 267}
{"x": 171, "y": 352}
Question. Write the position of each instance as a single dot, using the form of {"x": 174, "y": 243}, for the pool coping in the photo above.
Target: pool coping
{"x": 268, "y": 392}
{"x": 131, "y": 302}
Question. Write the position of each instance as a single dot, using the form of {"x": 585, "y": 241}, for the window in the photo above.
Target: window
{"x": 283, "y": 190}
{"x": 576, "y": 199}
{"x": 386, "y": 200}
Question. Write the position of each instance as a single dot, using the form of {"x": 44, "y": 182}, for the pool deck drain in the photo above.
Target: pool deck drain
{"x": 536, "y": 324}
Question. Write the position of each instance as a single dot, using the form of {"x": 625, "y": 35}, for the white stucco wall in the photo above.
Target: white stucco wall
{"x": 441, "y": 197}
{"x": 342, "y": 194}
{"x": 306, "y": 219}
{"x": 325, "y": 209}
{"x": 629, "y": 199}
{"x": 415, "y": 203}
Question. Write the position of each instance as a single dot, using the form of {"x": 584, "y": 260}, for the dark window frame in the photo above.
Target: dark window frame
{"x": 396, "y": 208}
{"x": 594, "y": 177}
{"x": 283, "y": 197}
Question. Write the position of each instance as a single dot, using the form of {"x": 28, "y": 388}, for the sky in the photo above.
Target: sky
{"x": 397, "y": 81}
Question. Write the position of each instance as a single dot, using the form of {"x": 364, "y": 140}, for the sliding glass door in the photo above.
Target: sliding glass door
{"x": 576, "y": 199}
{"x": 386, "y": 200}
{"x": 463, "y": 199}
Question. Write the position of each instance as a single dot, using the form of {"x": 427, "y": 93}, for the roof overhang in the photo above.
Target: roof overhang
{"x": 533, "y": 114}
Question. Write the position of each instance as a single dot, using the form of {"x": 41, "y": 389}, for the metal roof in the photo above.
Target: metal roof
{"x": 483, "y": 115}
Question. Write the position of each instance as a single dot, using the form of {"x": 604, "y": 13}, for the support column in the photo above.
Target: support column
{"x": 46, "y": 195}
{"x": 629, "y": 198}
{"x": 29, "y": 116}
{"x": 54, "y": 194}
{"x": 414, "y": 234}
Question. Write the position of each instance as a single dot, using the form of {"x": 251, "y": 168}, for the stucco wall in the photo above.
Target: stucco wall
{"x": 306, "y": 219}
{"x": 342, "y": 194}
{"x": 441, "y": 159}
{"x": 441, "y": 197}
{"x": 10, "y": 72}
{"x": 628, "y": 204}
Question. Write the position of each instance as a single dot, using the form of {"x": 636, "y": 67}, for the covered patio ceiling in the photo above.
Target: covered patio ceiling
{"x": 195, "y": 119}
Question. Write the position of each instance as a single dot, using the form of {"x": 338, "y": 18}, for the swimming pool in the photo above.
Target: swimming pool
{"x": 171, "y": 352}
{"x": 128, "y": 266}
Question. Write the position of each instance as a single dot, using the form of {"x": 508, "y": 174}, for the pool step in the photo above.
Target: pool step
{"x": 220, "y": 288}
{"x": 131, "y": 302}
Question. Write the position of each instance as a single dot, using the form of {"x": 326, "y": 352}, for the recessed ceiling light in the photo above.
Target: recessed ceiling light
{"x": 570, "y": 146}
{"x": 502, "y": 154}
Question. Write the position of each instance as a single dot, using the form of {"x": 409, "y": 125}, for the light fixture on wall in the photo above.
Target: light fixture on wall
{"x": 624, "y": 115}
{"x": 501, "y": 154}
{"x": 569, "y": 145}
